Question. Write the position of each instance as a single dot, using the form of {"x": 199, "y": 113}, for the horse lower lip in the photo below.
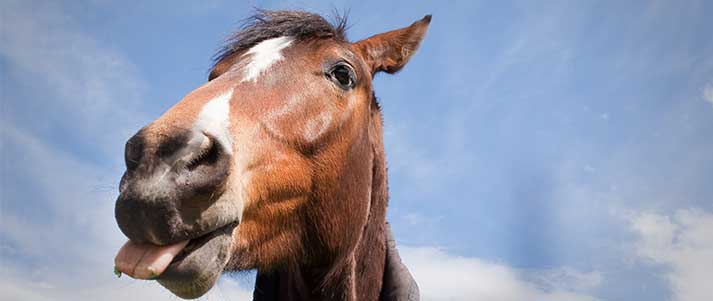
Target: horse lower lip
{"x": 194, "y": 271}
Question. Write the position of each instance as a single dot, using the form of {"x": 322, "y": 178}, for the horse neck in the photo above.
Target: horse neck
{"x": 360, "y": 275}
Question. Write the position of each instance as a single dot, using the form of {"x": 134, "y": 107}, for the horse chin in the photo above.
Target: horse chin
{"x": 196, "y": 269}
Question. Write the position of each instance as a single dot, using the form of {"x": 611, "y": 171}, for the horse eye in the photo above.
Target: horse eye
{"x": 343, "y": 76}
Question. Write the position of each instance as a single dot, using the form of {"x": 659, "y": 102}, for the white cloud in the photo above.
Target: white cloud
{"x": 708, "y": 93}
{"x": 683, "y": 243}
{"x": 442, "y": 276}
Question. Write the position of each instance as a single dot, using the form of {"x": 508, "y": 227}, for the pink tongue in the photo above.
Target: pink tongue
{"x": 146, "y": 261}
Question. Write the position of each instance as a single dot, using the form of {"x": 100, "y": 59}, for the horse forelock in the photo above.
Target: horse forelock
{"x": 266, "y": 25}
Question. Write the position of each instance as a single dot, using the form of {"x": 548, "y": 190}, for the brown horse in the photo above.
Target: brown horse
{"x": 276, "y": 164}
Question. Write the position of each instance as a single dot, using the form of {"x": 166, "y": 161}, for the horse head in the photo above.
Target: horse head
{"x": 276, "y": 163}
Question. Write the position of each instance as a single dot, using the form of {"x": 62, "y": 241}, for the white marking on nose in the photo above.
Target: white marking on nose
{"x": 214, "y": 119}
{"x": 263, "y": 55}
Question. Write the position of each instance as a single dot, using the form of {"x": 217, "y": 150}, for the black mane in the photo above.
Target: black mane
{"x": 266, "y": 24}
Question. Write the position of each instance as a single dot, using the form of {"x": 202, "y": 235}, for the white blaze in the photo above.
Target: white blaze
{"x": 263, "y": 55}
{"x": 214, "y": 119}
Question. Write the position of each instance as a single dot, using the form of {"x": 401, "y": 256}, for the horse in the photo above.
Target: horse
{"x": 275, "y": 164}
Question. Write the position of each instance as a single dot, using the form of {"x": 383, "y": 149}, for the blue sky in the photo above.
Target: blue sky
{"x": 558, "y": 150}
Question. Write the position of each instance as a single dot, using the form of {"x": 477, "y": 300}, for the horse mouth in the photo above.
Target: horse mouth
{"x": 194, "y": 267}
{"x": 197, "y": 267}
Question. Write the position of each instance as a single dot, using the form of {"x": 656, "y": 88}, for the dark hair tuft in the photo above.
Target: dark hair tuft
{"x": 267, "y": 24}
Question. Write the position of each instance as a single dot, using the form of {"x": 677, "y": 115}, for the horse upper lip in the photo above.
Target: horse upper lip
{"x": 202, "y": 233}
{"x": 172, "y": 217}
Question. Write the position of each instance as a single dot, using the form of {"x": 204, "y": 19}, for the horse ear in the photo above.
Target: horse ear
{"x": 390, "y": 51}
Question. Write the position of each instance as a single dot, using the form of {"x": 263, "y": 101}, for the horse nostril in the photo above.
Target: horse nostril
{"x": 134, "y": 151}
{"x": 204, "y": 165}
{"x": 186, "y": 150}
{"x": 207, "y": 153}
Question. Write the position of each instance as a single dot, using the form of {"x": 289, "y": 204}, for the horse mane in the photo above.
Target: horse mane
{"x": 268, "y": 24}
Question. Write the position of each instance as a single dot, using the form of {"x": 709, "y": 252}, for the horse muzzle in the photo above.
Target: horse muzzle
{"x": 172, "y": 191}
{"x": 173, "y": 209}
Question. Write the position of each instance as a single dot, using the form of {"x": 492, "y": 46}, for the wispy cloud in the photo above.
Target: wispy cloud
{"x": 683, "y": 243}
{"x": 79, "y": 87}
{"x": 443, "y": 276}
{"x": 708, "y": 93}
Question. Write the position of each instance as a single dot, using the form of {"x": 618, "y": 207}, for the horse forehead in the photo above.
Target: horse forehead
{"x": 214, "y": 111}
{"x": 262, "y": 56}
{"x": 257, "y": 60}
{"x": 213, "y": 116}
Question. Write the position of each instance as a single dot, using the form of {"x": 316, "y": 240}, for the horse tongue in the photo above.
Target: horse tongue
{"x": 146, "y": 261}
